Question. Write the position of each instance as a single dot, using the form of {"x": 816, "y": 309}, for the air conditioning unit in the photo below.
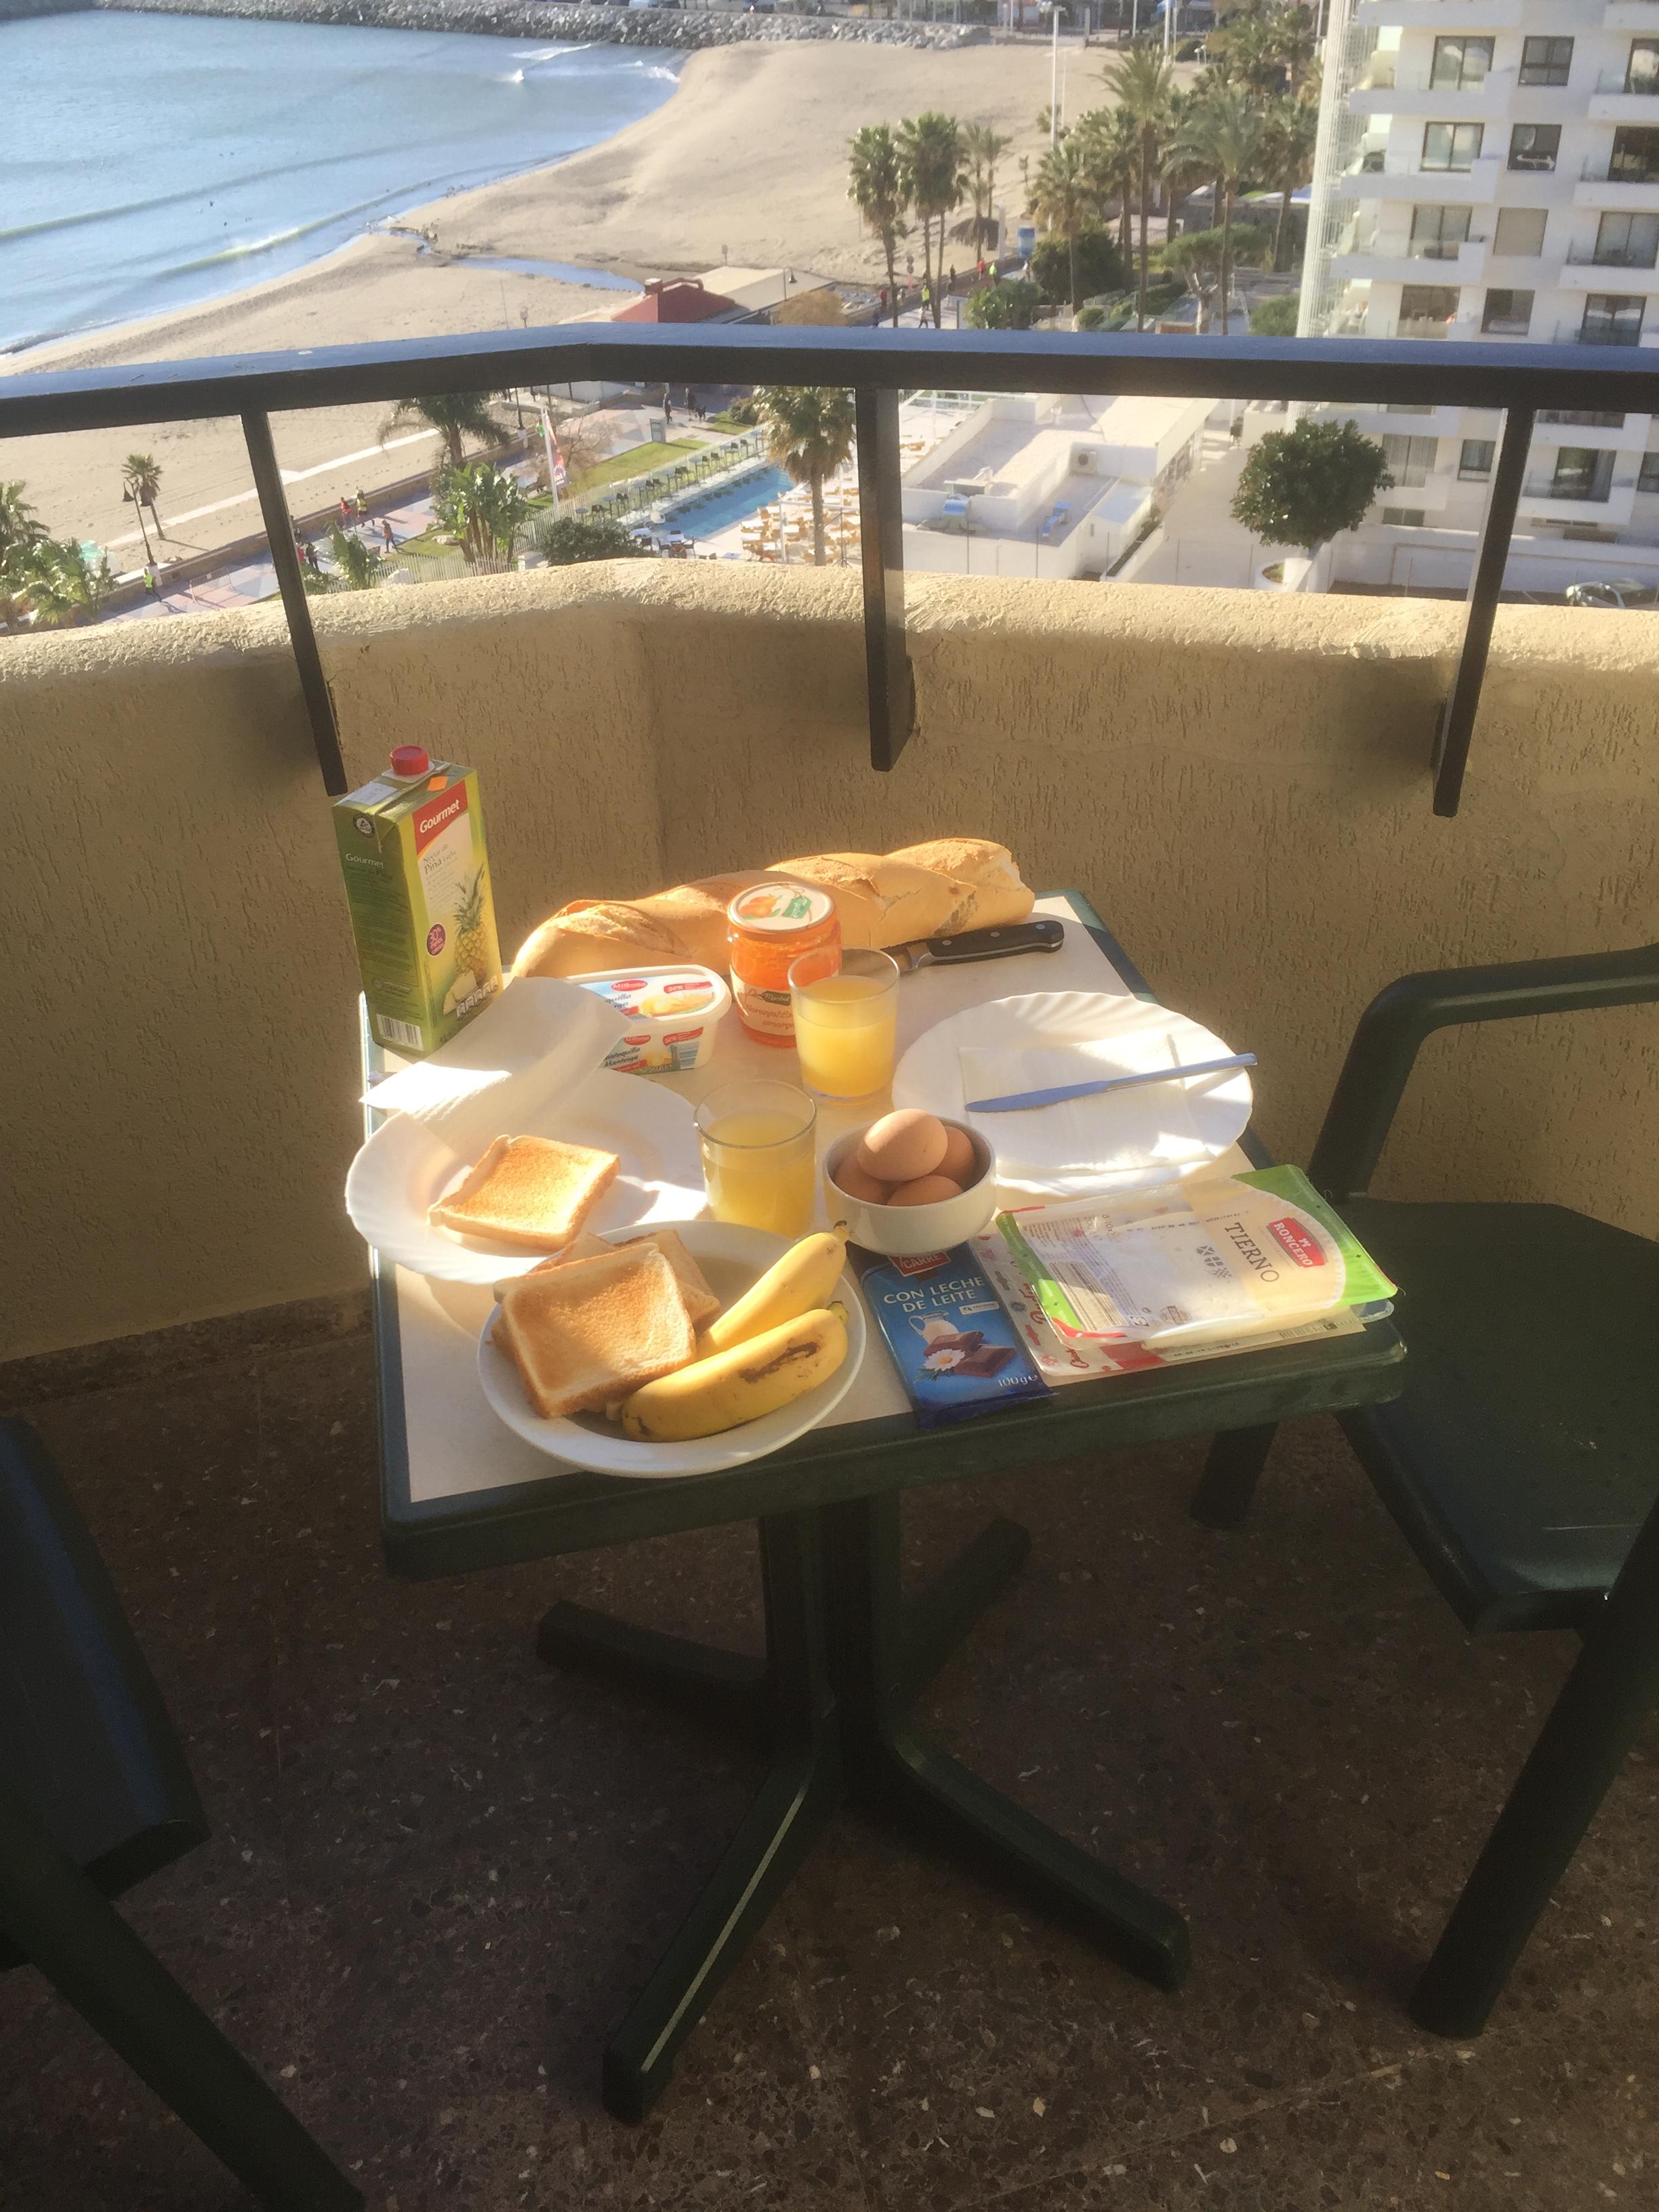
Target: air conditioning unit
{"x": 1086, "y": 460}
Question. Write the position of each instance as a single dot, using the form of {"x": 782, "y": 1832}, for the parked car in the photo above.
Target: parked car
{"x": 1616, "y": 592}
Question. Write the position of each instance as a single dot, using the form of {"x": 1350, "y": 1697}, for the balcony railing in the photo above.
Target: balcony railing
{"x": 1612, "y": 257}
{"x": 1618, "y": 81}
{"x": 877, "y": 365}
{"x": 1626, "y": 335}
{"x": 1602, "y": 169}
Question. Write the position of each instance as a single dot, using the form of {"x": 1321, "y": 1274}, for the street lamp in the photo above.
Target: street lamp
{"x": 1056, "y": 13}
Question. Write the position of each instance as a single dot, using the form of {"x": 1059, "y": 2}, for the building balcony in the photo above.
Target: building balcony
{"x": 1617, "y": 190}
{"x": 1584, "y": 272}
{"x": 1605, "y": 337}
{"x": 1463, "y": 264}
{"x": 1614, "y": 101}
{"x": 1631, "y": 15}
{"x": 1446, "y": 16}
{"x": 1542, "y": 501}
{"x": 1401, "y": 177}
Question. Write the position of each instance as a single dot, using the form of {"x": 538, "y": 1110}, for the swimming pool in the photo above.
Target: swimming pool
{"x": 702, "y": 513}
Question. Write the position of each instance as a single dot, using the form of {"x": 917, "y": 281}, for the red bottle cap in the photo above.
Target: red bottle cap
{"x": 409, "y": 759}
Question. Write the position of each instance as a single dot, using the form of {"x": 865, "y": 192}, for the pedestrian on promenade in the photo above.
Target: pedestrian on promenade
{"x": 387, "y": 539}
{"x": 149, "y": 581}
{"x": 345, "y": 510}
{"x": 361, "y": 504}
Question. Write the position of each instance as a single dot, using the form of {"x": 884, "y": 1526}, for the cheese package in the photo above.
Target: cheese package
{"x": 1195, "y": 1262}
{"x": 672, "y": 1015}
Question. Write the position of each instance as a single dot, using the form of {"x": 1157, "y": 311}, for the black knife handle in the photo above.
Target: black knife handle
{"x": 1041, "y": 935}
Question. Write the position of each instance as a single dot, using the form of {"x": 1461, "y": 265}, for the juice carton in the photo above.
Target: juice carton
{"x": 417, "y": 884}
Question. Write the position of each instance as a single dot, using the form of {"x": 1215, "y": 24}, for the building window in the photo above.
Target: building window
{"x": 1635, "y": 156}
{"x": 1546, "y": 60}
{"x": 1643, "y": 72}
{"x": 1411, "y": 460}
{"x": 1404, "y": 518}
{"x": 1508, "y": 314}
{"x": 1588, "y": 418}
{"x": 1427, "y": 303}
{"x": 1474, "y": 462}
{"x": 1582, "y": 473}
{"x": 1535, "y": 145}
{"x": 1628, "y": 241}
{"x": 1648, "y": 479}
{"x": 1460, "y": 64}
{"x": 1611, "y": 318}
{"x": 1437, "y": 232}
{"x": 1451, "y": 145}
{"x": 1520, "y": 233}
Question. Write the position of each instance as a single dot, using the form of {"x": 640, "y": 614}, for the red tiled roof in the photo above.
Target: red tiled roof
{"x": 675, "y": 300}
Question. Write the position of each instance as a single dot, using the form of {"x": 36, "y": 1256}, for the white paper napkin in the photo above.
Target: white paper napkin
{"x": 1110, "y": 1133}
{"x": 540, "y": 1038}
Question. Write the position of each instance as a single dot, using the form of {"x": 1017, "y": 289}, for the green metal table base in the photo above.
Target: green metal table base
{"x": 845, "y": 1657}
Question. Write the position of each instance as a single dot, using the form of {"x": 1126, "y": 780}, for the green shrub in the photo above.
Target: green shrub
{"x": 564, "y": 539}
{"x": 1007, "y": 305}
{"x": 1099, "y": 266}
{"x": 1275, "y": 318}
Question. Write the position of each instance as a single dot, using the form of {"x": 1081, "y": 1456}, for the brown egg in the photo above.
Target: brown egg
{"x": 902, "y": 1146}
{"x": 925, "y": 1190}
{"x": 851, "y": 1177}
{"x": 960, "y": 1162}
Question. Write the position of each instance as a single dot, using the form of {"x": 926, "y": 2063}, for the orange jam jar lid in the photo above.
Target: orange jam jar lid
{"x": 769, "y": 925}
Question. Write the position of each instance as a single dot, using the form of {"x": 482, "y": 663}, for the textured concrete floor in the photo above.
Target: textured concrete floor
{"x": 438, "y": 1871}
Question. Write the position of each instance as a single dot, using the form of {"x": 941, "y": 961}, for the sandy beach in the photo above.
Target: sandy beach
{"x": 745, "y": 162}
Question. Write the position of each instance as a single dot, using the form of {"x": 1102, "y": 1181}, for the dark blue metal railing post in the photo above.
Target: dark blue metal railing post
{"x": 889, "y": 679}
{"x": 285, "y": 559}
{"x": 1451, "y": 748}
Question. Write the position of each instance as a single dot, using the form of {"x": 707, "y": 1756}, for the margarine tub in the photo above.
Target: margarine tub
{"x": 673, "y": 1013}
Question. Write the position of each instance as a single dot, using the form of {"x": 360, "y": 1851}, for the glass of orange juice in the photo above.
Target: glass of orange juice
{"x": 845, "y": 1009}
{"x": 757, "y": 1156}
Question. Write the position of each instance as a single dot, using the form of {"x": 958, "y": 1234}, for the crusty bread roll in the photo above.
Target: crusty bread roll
{"x": 883, "y": 902}
{"x": 1000, "y": 896}
{"x": 925, "y": 890}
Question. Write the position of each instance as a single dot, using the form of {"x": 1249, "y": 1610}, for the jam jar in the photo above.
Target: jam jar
{"x": 769, "y": 925}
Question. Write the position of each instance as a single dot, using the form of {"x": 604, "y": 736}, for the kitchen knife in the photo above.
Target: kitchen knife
{"x": 1039, "y": 935}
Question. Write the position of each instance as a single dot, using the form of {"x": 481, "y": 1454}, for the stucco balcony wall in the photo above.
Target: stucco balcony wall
{"x": 1238, "y": 781}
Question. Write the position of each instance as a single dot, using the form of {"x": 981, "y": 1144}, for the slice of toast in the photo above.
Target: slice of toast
{"x": 532, "y": 1193}
{"x": 590, "y": 1332}
{"x": 701, "y": 1303}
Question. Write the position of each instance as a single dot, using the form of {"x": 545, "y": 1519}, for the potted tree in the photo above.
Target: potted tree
{"x": 1300, "y": 487}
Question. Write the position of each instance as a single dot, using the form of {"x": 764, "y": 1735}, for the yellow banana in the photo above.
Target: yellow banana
{"x": 739, "y": 1384}
{"x": 801, "y": 1280}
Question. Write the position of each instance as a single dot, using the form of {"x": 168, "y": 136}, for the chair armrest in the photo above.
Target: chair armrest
{"x": 1394, "y": 1026}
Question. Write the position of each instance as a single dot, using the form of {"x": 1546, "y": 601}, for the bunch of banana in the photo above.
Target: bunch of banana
{"x": 778, "y": 1341}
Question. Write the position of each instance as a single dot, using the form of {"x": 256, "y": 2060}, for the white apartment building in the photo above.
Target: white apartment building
{"x": 1047, "y": 485}
{"x": 1490, "y": 169}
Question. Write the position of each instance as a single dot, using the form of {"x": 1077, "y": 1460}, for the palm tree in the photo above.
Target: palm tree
{"x": 60, "y": 584}
{"x": 1290, "y": 133}
{"x": 1297, "y": 43}
{"x": 140, "y": 478}
{"x": 19, "y": 523}
{"x": 355, "y": 566}
{"x": 1140, "y": 82}
{"x": 454, "y": 415}
{"x": 877, "y": 187}
{"x": 983, "y": 148}
{"x": 809, "y": 431}
{"x": 485, "y": 507}
{"x": 931, "y": 147}
{"x": 1114, "y": 144}
{"x": 1064, "y": 196}
{"x": 1222, "y": 135}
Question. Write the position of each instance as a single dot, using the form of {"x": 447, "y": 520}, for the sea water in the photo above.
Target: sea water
{"x": 148, "y": 162}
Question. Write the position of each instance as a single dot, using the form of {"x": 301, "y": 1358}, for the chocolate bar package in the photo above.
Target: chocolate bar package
{"x": 958, "y": 1353}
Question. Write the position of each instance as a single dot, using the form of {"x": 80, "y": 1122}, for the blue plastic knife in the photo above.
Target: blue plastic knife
{"x": 1018, "y": 1099}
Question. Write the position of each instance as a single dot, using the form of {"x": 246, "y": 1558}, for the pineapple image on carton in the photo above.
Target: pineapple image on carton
{"x": 411, "y": 847}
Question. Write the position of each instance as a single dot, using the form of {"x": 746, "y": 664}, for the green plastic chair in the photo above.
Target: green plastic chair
{"x": 94, "y": 1794}
{"x": 1521, "y": 1458}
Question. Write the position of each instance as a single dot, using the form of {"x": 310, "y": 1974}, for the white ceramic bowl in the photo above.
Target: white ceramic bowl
{"x": 902, "y": 1231}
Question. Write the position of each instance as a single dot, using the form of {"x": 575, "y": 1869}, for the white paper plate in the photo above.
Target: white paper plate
{"x": 405, "y": 1169}
{"x": 731, "y": 1259}
{"x": 1212, "y": 1114}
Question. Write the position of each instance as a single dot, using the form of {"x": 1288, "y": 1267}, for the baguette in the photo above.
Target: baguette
{"x": 587, "y": 1334}
{"x": 931, "y": 890}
